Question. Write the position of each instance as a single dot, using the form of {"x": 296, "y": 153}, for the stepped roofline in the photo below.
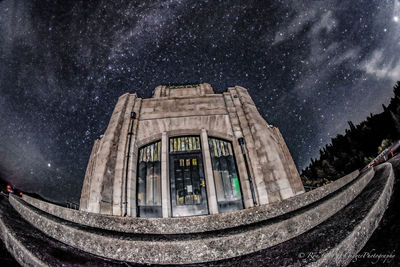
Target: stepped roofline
{"x": 183, "y": 90}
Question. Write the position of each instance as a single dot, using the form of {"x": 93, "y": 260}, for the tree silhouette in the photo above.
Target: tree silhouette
{"x": 349, "y": 152}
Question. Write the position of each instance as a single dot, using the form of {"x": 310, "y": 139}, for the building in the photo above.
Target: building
{"x": 187, "y": 151}
{"x": 184, "y": 152}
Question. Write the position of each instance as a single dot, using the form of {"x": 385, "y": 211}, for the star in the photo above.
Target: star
{"x": 310, "y": 66}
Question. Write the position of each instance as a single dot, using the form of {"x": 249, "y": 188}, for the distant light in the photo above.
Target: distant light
{"x": 396, "y": 19}
{"x": 385, "y": 30}
{"x": 48, "y": 165}
{"x": 9, "y": 189}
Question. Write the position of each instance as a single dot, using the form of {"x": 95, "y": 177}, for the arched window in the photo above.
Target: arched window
{"x": 227, "y": 185}
{"x": 149, "y": 181}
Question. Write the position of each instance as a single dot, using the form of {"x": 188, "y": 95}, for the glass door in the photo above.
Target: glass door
{"x": 188, "y": 189}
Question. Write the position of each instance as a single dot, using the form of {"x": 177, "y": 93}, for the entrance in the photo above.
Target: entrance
{"x": 188, "y": 188}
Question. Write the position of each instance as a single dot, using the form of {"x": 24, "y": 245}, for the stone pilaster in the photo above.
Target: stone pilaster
{"x": 254, "y": 164}
{"x": 211, "y": 194}
{"x": 244, "y": 179}
{"x": 165, "y": 194}
{"x": 269, "y": 153}
{"x": 132, "y": 168}
{"x": 120, "y": 166}
{"x": 293, "y": 174}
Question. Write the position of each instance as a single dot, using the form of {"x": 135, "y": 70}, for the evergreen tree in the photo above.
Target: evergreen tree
{"x": 358, "y": 146}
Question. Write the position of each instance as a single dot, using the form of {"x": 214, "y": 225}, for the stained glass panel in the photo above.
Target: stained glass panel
{"x": 149, "y": 181}
{"x": 226, "y": 179}
{"x": 184, "y": 144}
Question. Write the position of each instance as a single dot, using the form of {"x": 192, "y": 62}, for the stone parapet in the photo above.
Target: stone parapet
{"x": 192, "y": 224}
{"x": 21, "y": 253}
{"x": 344, "y": 252}
{"x": 351, "y": 226}
{"x": 192, "y": 248}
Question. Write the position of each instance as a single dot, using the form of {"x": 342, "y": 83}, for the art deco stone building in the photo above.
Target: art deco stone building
{"x": 187, "y": 151}
{"x": 184, "y": 152}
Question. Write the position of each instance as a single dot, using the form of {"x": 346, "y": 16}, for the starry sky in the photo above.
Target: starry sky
{"x": 310, "y": 67}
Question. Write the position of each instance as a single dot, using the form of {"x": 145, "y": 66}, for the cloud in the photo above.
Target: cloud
{"x": 295, "y": 26}
{"x": 396, "y": 8}
{"x": 149, "y": 27}
{"x": 323, "y": 56}
{"x": 301, "y": 20}
{"x": 347, "y": 55}
{"x": 15, "y": 23}
{"x": 327, "y": 22}
{"x": 381, "y": 67}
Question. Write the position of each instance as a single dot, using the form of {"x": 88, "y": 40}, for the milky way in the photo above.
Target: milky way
{"x": 310, "y": 67}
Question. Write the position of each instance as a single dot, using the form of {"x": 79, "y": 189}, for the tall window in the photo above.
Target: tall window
{"x": 149, "y": 181}
{"x": 226, "y": 178}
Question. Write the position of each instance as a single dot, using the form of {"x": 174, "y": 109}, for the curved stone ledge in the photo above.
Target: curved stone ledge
{"x": 16, "y": 248}
{"x": 344, "y": 252}
{"x": 192, "y": 248}
{"x": 195, "y": 224}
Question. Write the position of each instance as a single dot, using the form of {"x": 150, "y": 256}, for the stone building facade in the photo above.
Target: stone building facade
{"x": 187, "y": 151}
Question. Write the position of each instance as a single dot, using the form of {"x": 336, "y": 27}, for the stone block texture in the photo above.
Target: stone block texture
{"x": 109, "y": 186}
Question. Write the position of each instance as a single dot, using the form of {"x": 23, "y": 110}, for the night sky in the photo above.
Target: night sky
{"x": 310, "y": 67}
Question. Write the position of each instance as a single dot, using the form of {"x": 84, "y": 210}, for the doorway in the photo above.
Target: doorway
{"x": 188, "y": 188}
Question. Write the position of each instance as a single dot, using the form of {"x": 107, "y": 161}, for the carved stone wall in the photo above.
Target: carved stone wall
{"x": 110, "y": 181}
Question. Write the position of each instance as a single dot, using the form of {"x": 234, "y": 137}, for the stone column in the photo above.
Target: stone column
{"x": 211, "y": 194}
{"x": 165, "y": 195}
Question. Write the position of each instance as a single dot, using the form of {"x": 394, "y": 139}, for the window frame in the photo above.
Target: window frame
{"x": 219, "y": 203}
{"x": 152, "y": 210}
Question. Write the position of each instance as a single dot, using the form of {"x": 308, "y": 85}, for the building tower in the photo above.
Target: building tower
{"x": 187, "y": 151}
